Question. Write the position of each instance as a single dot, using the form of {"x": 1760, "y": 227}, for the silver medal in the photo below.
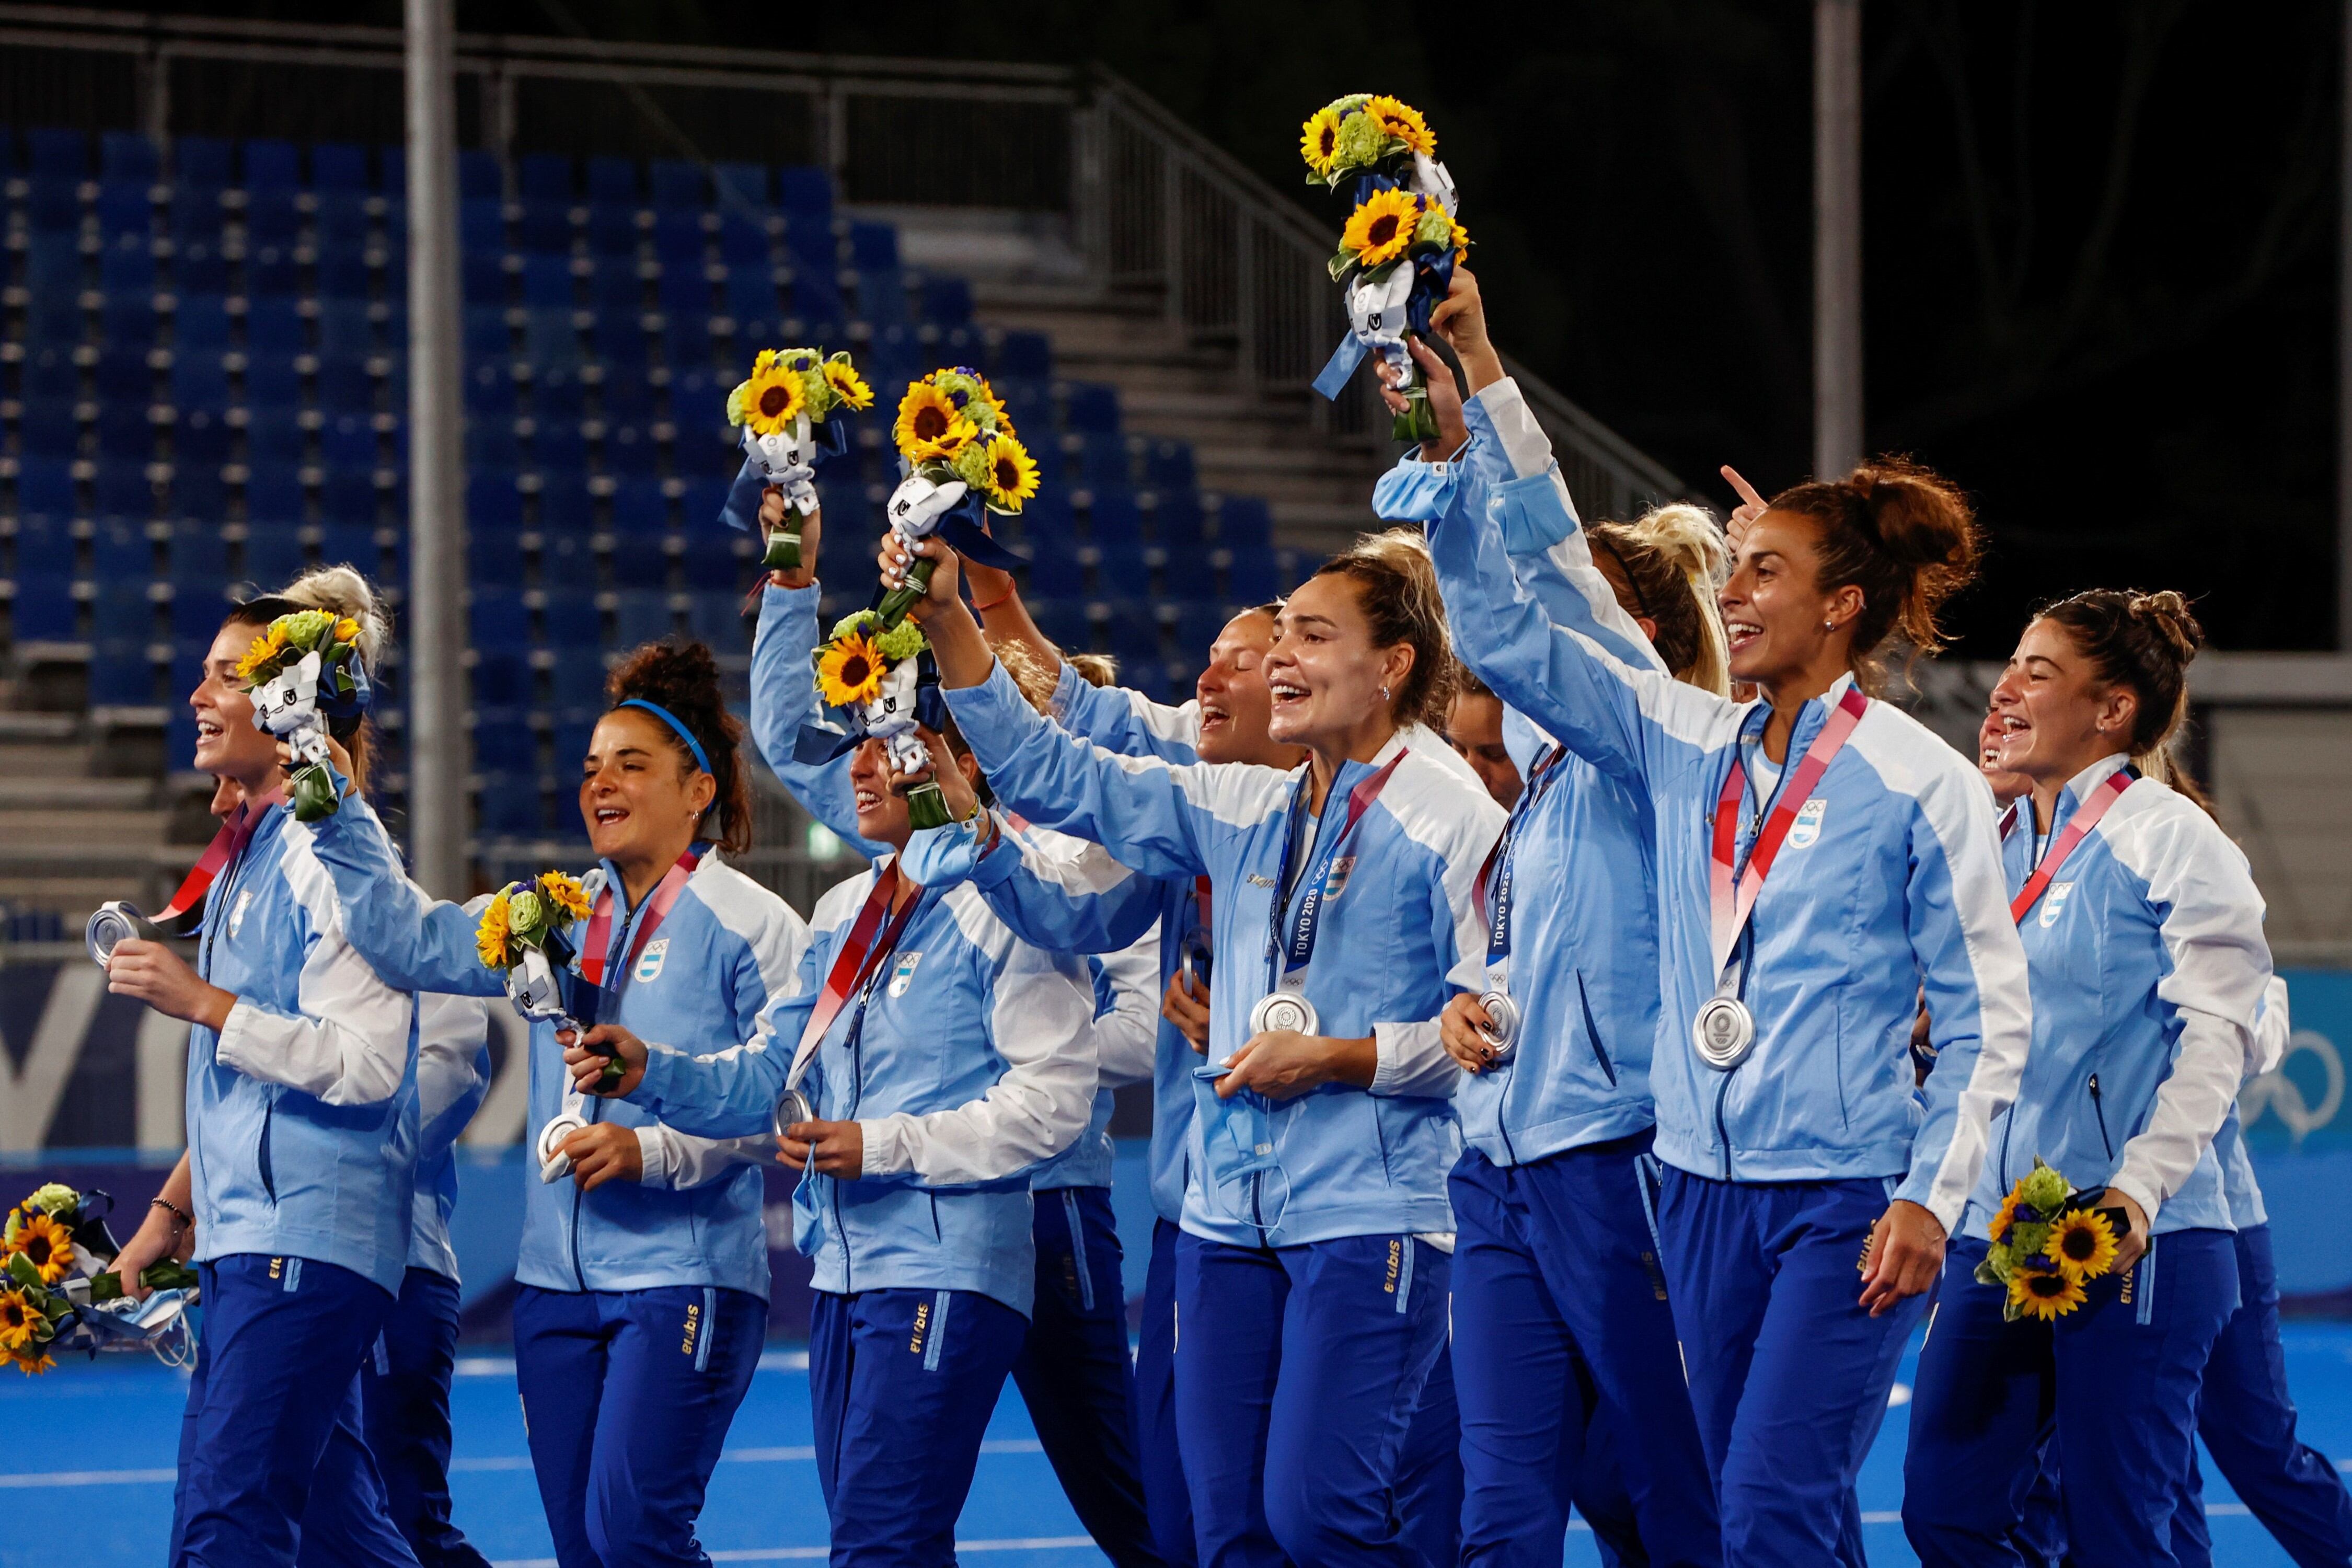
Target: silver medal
{"x": 1724, "y": 1033}
{"x": 1503, "y": 1029}
{"x": 118, "y": 921}
{"x": 792, "y": 1110}
{"x": 1282, "y": 1010}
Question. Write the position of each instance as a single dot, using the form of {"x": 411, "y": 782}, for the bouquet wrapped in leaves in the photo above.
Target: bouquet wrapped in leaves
{"x": 786, "y": 408}
{"x": 1401, "y": 242}
{"x": 2047, "y": 1242}
{"x": 882, "y": 675}
{"x": 58, "y": 1292}
{"x": 304, "y": 673}
{"x": 959, "y": 460}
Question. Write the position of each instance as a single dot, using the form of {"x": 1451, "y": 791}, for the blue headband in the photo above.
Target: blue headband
{"x": 701, "y": 758}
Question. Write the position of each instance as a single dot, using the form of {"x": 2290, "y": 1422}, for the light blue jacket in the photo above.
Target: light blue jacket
{"x": 967, "y": 1058}
{"x": 453, "y": 1074}
{"x": 1895, "y": 884}
{"x": 726, "y": 950}
{"x": 301, "y": 1111}
{"x": 1398, "y": 939}
{"x": 2148, "y": 965}
{"x": 2272, "y": 1027}
{"x": 1583, "y": 953}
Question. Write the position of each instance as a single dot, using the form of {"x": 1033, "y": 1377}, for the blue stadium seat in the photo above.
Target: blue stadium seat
{"x": 686, "y": 339}
{"x": 577, "y": 681}
{"x": 489, "y": 390}
{"x": 120, "y": 674}
{"x": 751, "y": 293}
{"x": 43, "y": 610}
{"x": 271, "y": 218}
{"x": 122, "y": 431}
{"x": 815, "y": 291}
{"x": 717, "y": 618}
{"x": 640, "y": 614}
{"x": 1090, "y": 405}
{"x": 478, "y": 174}
{"x": 558, "y": 396}
{"x": 1176, "y": 520}
{"x": 125, "y": 608}
{"x": 1031, "y": 404}
{"x": 347, "y": 441}
{"x": 199, "y": 552}
{"x": 196, "y": 612}
{"x": 549, "y": 339}
{"x": 273, "y": 437}
{"x": 547, "y": 282}
{"x": 45, "y": 487}
{"x": 490, "y": 443}
{"x": 680, "y": 243}
{"x": 120, "y": 550}
{"x": 1198, "y": 622}
{"x": 613, "y": 180}
{"x": 743, "y": 240}
{"x": 492, "y": 502}
{"x": 493, "y": 555}
{"x": 197, "y": 489}
{"x": 200, "y": 163}
{"x": 45, "y": 546}
{"x": 563, "y": 503}
{"x": 1254, "y": 575}
{"x": 482, "y": 275}
{"x": 502, "y": 681}
{"x": 639, "y": 507}
{"x": 49, "y": 373}
{"x": 57, "y": 152}
{"x": 271, "y": 165}
{"x": 1112, "y": 516}
{"x": 882, "y": 295}
{"x": 127, "y": 322}
{"x": 677, "y": 185}
{"x": 200, "y": 268}
{"x": 339, "y": 166}
{"x": 614, "y": 285}
{"x": 573, "y": 621}
{"x": 124, "y": 211}
{"x": 873, "y": 246}
{"x": 274, "y": 327}
{"x": 558, "y": 448}
{"x": 482, "y": 225}
{"x": 200, "y": 325}
{"x": 1046, "y": 519}
{"x": 122, "y": 489}
{"x": 543, "y": 177}
{"x": 613, "y": 231}
{"x": 53, "y": 265}
{"x": 124, "y": 155}
{"x": 1168, "y": 465}
{"x": 353, "y": 544}
{"x": 1056, "y": 573}
{"x": 1097, "y": 459}
{"x": 123, "y": 376}
{"x": 344, "y": 223}
{"x": 801, "y": 190}
{"x": 946, "y": 301}
{"x": 48, "y": 430}
{"x": 196, "y": 214}
{"x": 1133, "y": 633}
{"x": 497, "y": 619}
{"x": 344, "y": 276}
{"x": 1244, "y": 522}
{"x": 344, "y": 328}
{"x": 486, "y": 336}
{"x": 629, "y": 449}
{"x": 1027, "y": 356}
{"x": 273, "y": 553}
{"x": 1063, "y": 620}
{"x": 512, "y": 805}
{"x": 273, "y": 380}
{"x": 349, "y": 495}
{"x": 567, "y": 561}
{"x": 710, "y": 558}
{"x": 740, "y": 184}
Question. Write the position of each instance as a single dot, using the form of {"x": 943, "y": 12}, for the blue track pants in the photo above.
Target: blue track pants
{"x": 1074, "y": 1375}
{"x": 405, "y": 1393}
{"x": 1299, "y": 1370}
{"x": 273, "y": 1467}
{"x": 1164, "y": 1495}
{"x": 1429, "y": 1470}
{"x": 1788, "y": 1375}
{"x": 1556, "y": 1279}
{"x": 2117, "y": 1380}
{"x": 901, "y": 1384}
{"x": 626, "y": 1397}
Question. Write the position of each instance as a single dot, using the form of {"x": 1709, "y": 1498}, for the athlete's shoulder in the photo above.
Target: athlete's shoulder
{"x": 2158, "y": 834}
{"x": 840, "y": 902}
{"x": 1436, "y": 806}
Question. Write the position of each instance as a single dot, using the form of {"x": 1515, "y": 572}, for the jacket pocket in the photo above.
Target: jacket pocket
{"x": 1593, "y": 1033}
{"x": 2099, "y": 1114}
{"x": 261, "y": 1154}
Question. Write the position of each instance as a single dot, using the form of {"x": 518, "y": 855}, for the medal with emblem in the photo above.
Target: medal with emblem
{"x": 1724, "y": 1033}
{"x": 1283, "y": 1010}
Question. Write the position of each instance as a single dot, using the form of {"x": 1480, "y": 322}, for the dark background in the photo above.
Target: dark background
{"x": 2099, "y": 243}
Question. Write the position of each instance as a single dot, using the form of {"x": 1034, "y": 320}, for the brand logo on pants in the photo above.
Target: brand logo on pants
{"x": 693, "y": 1327}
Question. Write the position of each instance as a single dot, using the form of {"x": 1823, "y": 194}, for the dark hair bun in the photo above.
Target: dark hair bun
{"x": 1901, "y": 533}
{"x": 2169, "y": 618}
{"x": 682, "y": 678}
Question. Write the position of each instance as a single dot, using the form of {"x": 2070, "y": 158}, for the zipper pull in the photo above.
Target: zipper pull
{"x": 2094, "y": 1086}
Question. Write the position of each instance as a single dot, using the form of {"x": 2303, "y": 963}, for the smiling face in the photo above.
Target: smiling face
{"x": 1234, "y": 703}
{"x": 879, "y": 792}
{"x": 1779, "y": 622}
{"x": 1474, "y": 729}
{"x": 2055, "y": 716}
{"x": 641, "y": 799}
{"x": 2006, "y": 786}
{"x": 1323, "y": 672}
{"x": 227, "y": 744}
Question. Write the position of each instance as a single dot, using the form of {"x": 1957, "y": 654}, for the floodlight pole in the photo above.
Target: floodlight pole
{"x": 437, "y": 760}
{"x": 1837, "y": 236}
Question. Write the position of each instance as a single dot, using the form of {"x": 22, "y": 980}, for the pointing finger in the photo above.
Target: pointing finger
{"x": 1747, "y": 491}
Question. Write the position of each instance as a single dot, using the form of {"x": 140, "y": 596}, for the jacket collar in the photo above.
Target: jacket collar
{"x": 1810, "y": 717}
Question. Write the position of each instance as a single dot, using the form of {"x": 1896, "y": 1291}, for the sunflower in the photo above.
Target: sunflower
{"x": 263, "y": 655}
{"x": 1010, "y": 476}
{"x": 1319, "y": 141}
{"x": 2044, "y": 1293}
{"x": 849, "y": 670}
{"x": 563, "y": 892}
{"x": 847, "y": 385}
{"x": 771, "y": 399}
{"x": 33, "y": 1363}
{"x": 929, "y": 426}
{"x": 47, "y": 1245}
{"x": 1382, "y": 227}
{"x": 2082, "y": 1245}
{"x": 492, "y": 936}
{"x": 2003, "y": 1217}
{"x": 347, "y": 630}
{"x": 19, "y": 1321}
{"x": 1402, "y": 122}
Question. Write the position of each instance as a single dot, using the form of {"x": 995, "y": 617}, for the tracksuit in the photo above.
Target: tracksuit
{"x": 2148, "y": 964}
{"x": 1314, "y": 1299}
{"x": 966, "y": 1057}
{"x": 1074, "y": 1370}
{"x": 1776, "y": 1170}
{"x": 642, "y": 1305}
{"x": 302, "y": 1143}
{"x": 1558, "y": 1277}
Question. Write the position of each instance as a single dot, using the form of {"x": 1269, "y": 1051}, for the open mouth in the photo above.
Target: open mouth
{"x": 869, "y": 799}
{"x": 610, "y": 815}
{"x": 1286, "y": 693}
{"x": 1740, "y": 634}
{"x": 1213, "y": 714}
{"x": 210, "y": 729}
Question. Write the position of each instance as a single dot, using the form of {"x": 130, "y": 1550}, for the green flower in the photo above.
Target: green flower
{"x": 527, "y": 914}
{"x": 2045, "y": 1189}
{"x": 1361, "y": 142}
{"x": 1998, "y": 1261}
{"x": 1433, "y": 229}
{"x": 305, "y": 629}
{"x": 54, "y": 1198}
{"x": 971, "y": 465}
{"x": 901, "y": 642}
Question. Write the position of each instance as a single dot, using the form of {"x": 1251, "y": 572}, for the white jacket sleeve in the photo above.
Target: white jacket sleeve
{"x": 676, "y": 1161}
{"x": 453, "y": 1066}
{"x": 1127, "y": 1037}
{"x": 350, "y": 1041}
{"x": 1042, "y": 1023}
{"x": 2272, "y": 1027}
{"x": 1411, "y": 1059}
{"x": 2212, "y": 928}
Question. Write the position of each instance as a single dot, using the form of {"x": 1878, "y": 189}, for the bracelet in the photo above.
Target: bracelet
{"x": 188, "y": 1221}
{"x": 1001, "y": 598}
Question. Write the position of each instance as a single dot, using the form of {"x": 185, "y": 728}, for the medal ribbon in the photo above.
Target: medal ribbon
{"x": 597, "y": 948}
{"x": 1301, "y": 946}
{"x": 1495, "y": 876}
{"x": 2078, "y": 827}
{"x": 236, "y": 832}
{"x": 1732, "y": 902}
{"x": 862, "y": 953}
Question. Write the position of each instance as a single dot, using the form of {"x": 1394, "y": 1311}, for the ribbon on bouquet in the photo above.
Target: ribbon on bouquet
{"x": 817, "y": 744}
{"x": 828, "y": 438}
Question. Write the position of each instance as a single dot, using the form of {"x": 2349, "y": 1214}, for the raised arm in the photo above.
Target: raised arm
{"x": 414, "y": 941}
{"x": 731, "y": 1092}
{"x": 1082, "y": 902}
{"x": 1127, "y": 1031}
{"x": 452, "y": 1066}
{"x": 785, "y": 700}
{"x": 1041, "y": 1021}
{"x": 1126, "y": 722}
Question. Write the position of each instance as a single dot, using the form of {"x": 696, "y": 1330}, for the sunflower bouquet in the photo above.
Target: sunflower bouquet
{"x": 876, "y": 672}
{"x": 58, "y": 1291}
{"x": 785, "y": 409}
{"x": 1402, "y": 241}
{"x": 524, "y": 935}
{"x": 2047, "y": 1242}
{"x": 303, "y": 672}
{"x": 959, "y": 458}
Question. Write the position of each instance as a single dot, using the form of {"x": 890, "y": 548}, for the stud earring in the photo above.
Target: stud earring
{"x": 1384, "y": 694}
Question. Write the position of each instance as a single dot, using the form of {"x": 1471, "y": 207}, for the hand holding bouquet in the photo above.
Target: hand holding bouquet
{"x": 303, "y": 672}
{"x": 524, "y": 935}
{"x": 957, "y": 453}
{"x": 1401, "y": 242}
{"x": 2047, "y": 1242}
{"x": 59, "y": 1291}
{"x": 785, "y": 409}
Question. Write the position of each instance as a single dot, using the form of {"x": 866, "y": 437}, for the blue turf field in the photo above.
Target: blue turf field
{"x": 99, "y": 1440}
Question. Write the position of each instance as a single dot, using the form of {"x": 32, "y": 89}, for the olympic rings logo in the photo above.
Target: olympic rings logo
{"x": 2275, "y": 1091}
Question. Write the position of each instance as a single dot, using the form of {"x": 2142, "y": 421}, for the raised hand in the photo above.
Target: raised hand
{"x": 1461, "y": 320}
{"x": 896, "y": 559}
{"x": 773, "y": 509}
{"x": 1743, "y": 515}
{"x": 1445, "y": 397}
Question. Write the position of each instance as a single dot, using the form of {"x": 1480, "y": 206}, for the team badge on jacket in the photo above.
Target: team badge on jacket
{"x": 903, "y": 974}
{"x": 649, "y": 962}
{"x": 1807, "y": 829}
{"x": 1337, "y": 882}
{"x": 2055, "y": 902}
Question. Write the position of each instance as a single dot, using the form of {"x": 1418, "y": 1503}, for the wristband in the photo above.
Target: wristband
{"x": 1001, "y": 598}
{"x": 188, "y": 1221}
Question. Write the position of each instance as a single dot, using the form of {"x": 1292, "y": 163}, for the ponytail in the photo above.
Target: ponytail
{"x": 344, "y": 593}
{"x": 1673, "y": 559}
